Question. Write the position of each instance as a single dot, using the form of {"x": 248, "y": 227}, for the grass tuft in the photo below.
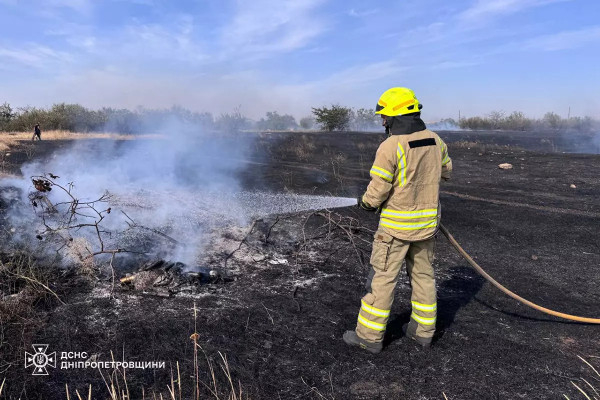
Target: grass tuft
{"x": 588, "y": 386}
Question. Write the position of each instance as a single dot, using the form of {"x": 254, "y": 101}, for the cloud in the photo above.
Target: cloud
{"x": 454, "y": 64}
{"x": 80, "y": 6}
{"x": 564, "y": 40}
{"x": 263, "y": 27}
{"x": 488, "y": 9}
{"x": 362, "y": 13}
{"x": 35, "y": 55}
{"x": 433, "y": 32}
{"x": 365, "y": 73}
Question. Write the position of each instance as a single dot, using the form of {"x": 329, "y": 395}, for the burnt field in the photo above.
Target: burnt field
{"x": 288, "y": 285}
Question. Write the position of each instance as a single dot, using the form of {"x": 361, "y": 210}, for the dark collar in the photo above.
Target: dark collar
{"x": 406, "y": 124}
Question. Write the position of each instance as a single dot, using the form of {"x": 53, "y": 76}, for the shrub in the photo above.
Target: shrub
{"x": 277, "y": 122}
{"x": 307, "y": 122}
{"x": 6, "y": 115}
{"x": 334, "y": 118}
{"x": 365, "y": 119}
{"x": 233, "y": 122}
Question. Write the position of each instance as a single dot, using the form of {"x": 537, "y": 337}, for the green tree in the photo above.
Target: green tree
{"x": 121, "y": 121}
{"x": 333, "y": 118}
{"x": 365, "y": 119}
{"x": 552, "y": 120}
{"x": 6, "y": 115}
{"x": 475, "y": 123}
{"x": 517, "y": 121}
{"x": 232, "y": 122}
{"x": 277, "y": 122}
{"x": 307, "y": 122}
{"x": 74, "y": 118}
{"x": 496, "y": 119}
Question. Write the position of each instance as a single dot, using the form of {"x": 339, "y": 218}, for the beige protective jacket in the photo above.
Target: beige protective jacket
{"x": 405, "y": 183}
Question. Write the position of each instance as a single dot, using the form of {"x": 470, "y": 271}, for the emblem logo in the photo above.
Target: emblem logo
{"x": 40, "y": 359}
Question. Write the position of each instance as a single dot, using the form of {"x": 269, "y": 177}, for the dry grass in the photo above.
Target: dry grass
{"x": 23, "y": 283}
{"x": 220, "y": 384}
{"x": 366, "y": 147}
{"x": 10, "y": 139}
{"x": 304, "y": 149}
{"x": 584, "y": 387}
{"x": 340, "y": 158}
{"x": 483, "y": 147}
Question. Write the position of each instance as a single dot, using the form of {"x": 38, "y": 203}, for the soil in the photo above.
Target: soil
{"x": 297, "y": 279}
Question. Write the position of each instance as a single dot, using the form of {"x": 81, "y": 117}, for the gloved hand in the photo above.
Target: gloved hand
{"x": 365, "y": 206}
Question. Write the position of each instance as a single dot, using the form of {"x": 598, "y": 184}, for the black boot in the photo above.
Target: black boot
{"x": 351, "y": 338}
{"x": 410, "y": 331}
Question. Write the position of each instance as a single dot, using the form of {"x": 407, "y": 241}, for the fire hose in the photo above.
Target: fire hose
{"x": 508, "y": 292}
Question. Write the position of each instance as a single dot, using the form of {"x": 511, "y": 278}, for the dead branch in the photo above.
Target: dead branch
{"x": 346, "y": 230}
{"x": 63, "y": 220}
{"x": 133, "y": 224}
{"x": 270, "y": 229}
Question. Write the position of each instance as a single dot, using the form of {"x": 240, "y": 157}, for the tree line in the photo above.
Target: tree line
{"x": 76, "y": 118}
{"x": 517, "y": 121}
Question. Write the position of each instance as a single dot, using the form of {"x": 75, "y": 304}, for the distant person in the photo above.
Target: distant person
{"x": 404, "y": 187}
{"x": 37, "y": 133}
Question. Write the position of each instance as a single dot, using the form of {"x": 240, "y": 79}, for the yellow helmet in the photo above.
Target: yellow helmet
{"x": 398, "y": 101}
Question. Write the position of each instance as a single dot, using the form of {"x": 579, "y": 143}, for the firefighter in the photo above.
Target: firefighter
{"x": 404, "y": 188}
{"x": 37, "y": 133}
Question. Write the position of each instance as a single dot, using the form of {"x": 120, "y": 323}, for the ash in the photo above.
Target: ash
{"x": 193, "y": 218}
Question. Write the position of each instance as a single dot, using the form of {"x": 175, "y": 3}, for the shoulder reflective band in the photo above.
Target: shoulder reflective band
{"x": 444, "y": 150}
{"x": 430, "y": 212}
{"x": 382, "y": 173}
{"x": 401, "y": 165}
{"x": 421, "y": 143}
{"x": 424, "y": 307}
{"x": 370, "y": 324}
{"x": 408, "y": 226}
{"x": 423, "y": 320}
{"x": 374, "y": 311}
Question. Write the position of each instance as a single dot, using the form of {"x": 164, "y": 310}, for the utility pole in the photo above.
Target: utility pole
{"x": 459, "y": 116}
{"x": 569, "y": 114}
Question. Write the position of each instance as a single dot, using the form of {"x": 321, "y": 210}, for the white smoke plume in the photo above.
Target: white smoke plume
{"x": 177, "y": 182}
{"x": 182, "y": 183}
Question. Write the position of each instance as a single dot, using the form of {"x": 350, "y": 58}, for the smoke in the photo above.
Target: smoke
{"x": 447, "y": 124}
{"x": 182, "y": 183}
{"x": 596, "y": 142}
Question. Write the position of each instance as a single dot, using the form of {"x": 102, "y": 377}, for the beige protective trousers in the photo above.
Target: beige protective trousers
{"x": 386, "y": 259}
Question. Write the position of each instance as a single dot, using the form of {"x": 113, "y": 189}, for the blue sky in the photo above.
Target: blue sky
{"x": 469, "y": 55}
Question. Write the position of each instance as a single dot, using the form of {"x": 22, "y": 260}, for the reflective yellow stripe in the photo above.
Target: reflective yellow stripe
{"x": 424, "y": 307}
{"x": 430, "y": 212}
{"x": 422, "y": 320}
{"x": 446, "y": 160}
{"x": 386, "y": 175}
{"x": 404, "y": 104}
{"x": 401, "y": 165}
{"x": 444, "y": 150}
{"x": 374, "y": 311}
{"x": 370, "y": 324}
{"x": 408, "y": 226}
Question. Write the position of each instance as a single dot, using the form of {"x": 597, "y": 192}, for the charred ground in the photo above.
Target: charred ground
{"x": 297, "y": 281}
